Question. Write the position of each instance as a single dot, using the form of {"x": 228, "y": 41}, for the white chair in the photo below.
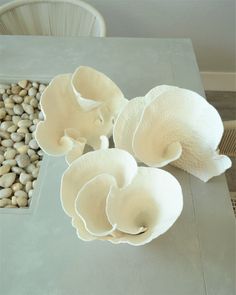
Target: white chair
{"x": 51, "y": 18}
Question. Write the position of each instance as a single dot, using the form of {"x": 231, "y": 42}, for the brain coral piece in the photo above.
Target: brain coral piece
{"x": 173, "y": 125}
{"x": 79, "y": 109}
{"x": 110, "y": 198}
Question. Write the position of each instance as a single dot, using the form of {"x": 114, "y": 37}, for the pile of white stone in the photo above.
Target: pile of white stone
{"x": 20, "y": 155}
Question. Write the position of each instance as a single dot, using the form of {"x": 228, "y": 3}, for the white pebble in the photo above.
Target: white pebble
{"x": 34, "y": 102}
{"x": 30, "y": 193}
{"x": 16, "y": 137}
{"x": 15, "y": 89}
{"x": 7, "y": 179}
{"x": 18, "y": 109}
{"x": 35, "y": 172}
{"x": 32, "y": 128}
{"x": 33, "y": 144}
{"x": 29, "y": 109}
{"x": 2, "y": 113}
{"x": 34, "y": 158}
{"x": 17, "y": 170}
{"x": 42, "y": 87}
{"x": 23, "y": 160}
{"x": 24, "y": 123}
{"x": 23, "y": 83}
{"x": 4, "y": 202}
{"x": 40, "y": 153}
{"x": 17, "y": 98}
{"x": 35, "y": 84}
{"x": 4, "y": 134}
{"x": 25, "y": 116}
{"x": 11, "y": 162}
{"x": 13, "y": 200}
{"x": 30, "y": 168}
{"x": 22, "y": 201}
{"x": 23, "y": 92}
{"x": 10, "y": 154}
{"x": 34, "y": 115}
{"x": 27, "y": 99}
{"x": 9, "y": 112}
{"x": 7, "y": 143}
{"x": 17, "y": 145}
{"x": 28, "y": 138}
{"x": 5, "y": 193}
{"x": 38, "y": 96}
{"x": 34, "y": 183}
{"x": 22, "y": 149}
{"x": 41, "y": 116}
{"x": 4, "y": 169}
{"x": 5, "y": 125}
{"x": 20, "y": 193}
{"x": 4, "y": 96}
{"x": 31, "y": 152}
{"x": 15, "y": 119}
{"x": 8, "y": 100}
{"x": 9, "y": 105}
{"x": 22, "y": 130}
{"x": 32, "y": 91}
{"x": 17, "y": 186}
{"x": 28, "y": 186}
{"x": 12, "y": 129}
{"x": 24, "y": 178}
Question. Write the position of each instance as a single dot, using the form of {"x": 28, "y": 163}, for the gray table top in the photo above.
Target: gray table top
{"x": 39, "y": 251}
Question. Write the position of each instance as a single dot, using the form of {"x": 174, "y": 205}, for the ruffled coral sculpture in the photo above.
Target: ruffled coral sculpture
{"x": 79, "y": 109}
{"x": 110, "y": 198}
{"x": 105, "y": 193}
{"x": 173, "y": 125}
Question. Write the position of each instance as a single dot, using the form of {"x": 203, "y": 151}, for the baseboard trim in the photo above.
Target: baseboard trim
{"x": 219, "y": 81}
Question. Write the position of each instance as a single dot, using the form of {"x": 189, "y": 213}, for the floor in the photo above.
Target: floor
{"x": 225, "y": 103}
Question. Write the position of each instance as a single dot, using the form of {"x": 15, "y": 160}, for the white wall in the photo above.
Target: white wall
{"x": 211, "y": 24}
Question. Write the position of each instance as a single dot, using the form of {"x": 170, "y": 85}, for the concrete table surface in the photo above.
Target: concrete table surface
{"x": 40, "y": 253}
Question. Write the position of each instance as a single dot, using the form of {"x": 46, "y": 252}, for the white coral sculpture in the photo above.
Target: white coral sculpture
{"x": 79, "y": 109}
{"x": 110, "y": 198}
{"x": 173, "y": 125}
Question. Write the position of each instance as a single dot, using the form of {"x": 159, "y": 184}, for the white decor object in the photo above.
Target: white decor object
{"x": 79, "y": 109}
{"x": 51, "y": 18}
{"x": 110, "y": 198}
{"x": 173, "y": 125}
